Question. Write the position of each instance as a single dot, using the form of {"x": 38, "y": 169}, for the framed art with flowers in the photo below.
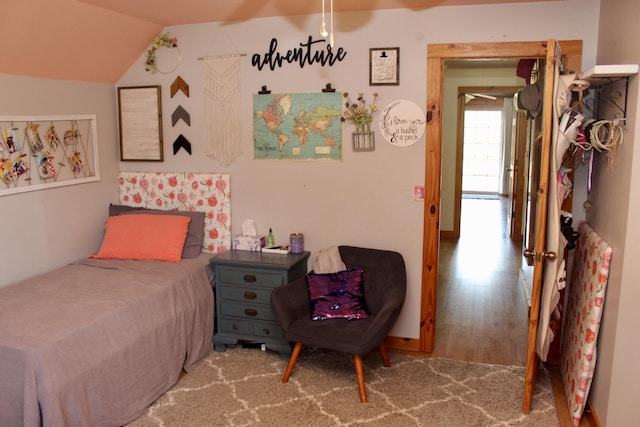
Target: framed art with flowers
{"x": 384, "y": 66}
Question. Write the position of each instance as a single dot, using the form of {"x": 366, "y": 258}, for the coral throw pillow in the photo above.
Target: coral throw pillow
{"x": 195, "y": 236}
{"x": 144, "y": 237}
{"x": 337, "y": 295}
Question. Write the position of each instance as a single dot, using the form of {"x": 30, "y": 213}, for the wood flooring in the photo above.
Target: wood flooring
{"x": 481, "y": 309}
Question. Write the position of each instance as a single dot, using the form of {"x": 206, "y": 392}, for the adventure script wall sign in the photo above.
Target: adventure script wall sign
{"x": 308, "y": 53}
{"x": 402, "y": 123}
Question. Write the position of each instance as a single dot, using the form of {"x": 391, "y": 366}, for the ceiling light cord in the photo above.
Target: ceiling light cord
{"x": 323, "y": 27}
{"x": 331, "y": 34}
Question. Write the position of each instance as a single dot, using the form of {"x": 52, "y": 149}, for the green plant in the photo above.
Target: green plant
{"x": 359, "y": 112}
{"x": 161, "y": 40}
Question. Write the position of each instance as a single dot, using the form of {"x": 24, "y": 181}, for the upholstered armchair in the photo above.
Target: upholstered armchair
{"x": 385, "y": 281}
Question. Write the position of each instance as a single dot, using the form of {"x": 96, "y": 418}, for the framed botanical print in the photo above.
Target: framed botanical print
{"x": 384, "y": 66}
{"x": 140, "y": 111}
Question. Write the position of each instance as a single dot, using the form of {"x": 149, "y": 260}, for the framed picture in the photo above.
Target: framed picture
{"x": 140, "y": 115}
{"x": 37, "y": 162}
{"x": 384, "y": 66}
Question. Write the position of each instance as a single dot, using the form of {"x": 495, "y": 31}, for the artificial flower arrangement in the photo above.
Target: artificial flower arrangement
{"x": 359, "y": 112}
{"x": 161, "y": 40}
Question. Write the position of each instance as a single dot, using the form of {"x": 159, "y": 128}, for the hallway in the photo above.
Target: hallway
{"x": 481, "y": 308}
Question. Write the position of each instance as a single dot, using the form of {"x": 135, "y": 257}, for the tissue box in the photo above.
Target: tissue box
{"x": 249, "y": 243}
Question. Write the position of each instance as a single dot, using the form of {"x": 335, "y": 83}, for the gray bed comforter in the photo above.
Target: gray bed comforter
{"x": 96, "y": 342}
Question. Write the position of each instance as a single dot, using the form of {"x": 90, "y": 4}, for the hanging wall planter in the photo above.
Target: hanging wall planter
{"x": 363, "y": 138}
{"x": 361, "y": 115}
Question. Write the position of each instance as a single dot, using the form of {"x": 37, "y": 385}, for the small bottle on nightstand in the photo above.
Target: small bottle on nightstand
{"x": 270, "y": 240}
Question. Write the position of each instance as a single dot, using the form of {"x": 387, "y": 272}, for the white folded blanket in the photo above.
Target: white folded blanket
{"x": 328, "y": 261}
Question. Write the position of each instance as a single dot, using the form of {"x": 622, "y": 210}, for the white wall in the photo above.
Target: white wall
{"x": 45, "y": 229}
{"x": 616, "y": 208}
{"x": 366, "y": 199}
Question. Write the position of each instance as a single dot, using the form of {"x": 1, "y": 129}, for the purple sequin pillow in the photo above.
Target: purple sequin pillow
{"x": 337, "y": 295}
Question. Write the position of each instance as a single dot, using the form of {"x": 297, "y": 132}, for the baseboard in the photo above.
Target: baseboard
{"x": 591, "y": 415}
{"x": 402, "y": 344}
{"x": 448, "y": 234}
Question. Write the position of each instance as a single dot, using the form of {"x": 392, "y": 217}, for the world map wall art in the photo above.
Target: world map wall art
{"x": 297, "y": 126}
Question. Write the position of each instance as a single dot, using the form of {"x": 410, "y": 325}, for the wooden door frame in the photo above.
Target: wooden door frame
{"x": 518, "y": 190}
{"x": 437, "y": 54}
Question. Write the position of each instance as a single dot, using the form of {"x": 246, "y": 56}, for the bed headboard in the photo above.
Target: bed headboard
{"x": 203, "y": 192}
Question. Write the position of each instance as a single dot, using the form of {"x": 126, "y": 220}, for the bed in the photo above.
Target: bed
{"x": 97, "y": 341}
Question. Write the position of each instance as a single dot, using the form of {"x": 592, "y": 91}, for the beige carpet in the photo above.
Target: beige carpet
{"x": 242, "y": 387}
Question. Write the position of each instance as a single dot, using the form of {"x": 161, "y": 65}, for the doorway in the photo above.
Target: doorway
{"x": 496, "y": 97}
{"x": 550, "y": 51}
{"x": 436, "y": 57}
{"x": 483, "y": 142}
{"x": 480, "y": 302}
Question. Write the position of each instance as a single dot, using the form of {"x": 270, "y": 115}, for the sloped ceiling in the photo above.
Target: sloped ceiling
{"x": 98, "y": 40}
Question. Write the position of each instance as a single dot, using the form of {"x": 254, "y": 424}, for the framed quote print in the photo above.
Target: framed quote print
{"x": 384, "y": 66}
{"x": 140, "y": 115}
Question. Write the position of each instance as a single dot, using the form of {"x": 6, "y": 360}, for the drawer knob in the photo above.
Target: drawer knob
{"x": 235, "y": 327}
{"x": 250, "y": 312}
{"x": 250, "y": 295}
{"x": 266, "y": 331}
{"x": 249, "y": 278}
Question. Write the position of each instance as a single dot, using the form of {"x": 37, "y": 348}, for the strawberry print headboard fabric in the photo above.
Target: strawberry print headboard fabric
{"x": 203, "y": 192}
{"x": 585, "y": 303}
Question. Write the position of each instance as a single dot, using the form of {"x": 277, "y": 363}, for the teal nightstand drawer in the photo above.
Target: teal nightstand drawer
{"x": 245, "y": 294}
{"x": 235, "y": 326}
{"x": 247, "y": 311}
{"x": 267, "y": 330}
{"x": 251, "y": 277}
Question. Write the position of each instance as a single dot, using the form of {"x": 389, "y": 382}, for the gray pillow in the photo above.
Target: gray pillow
{"x": 195, "y": 236}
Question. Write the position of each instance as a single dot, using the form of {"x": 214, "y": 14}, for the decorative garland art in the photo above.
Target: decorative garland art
{"x": 30, "y": 162}
{"x": 163, "y": 40}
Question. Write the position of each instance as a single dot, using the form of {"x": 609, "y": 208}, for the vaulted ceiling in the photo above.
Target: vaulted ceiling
{"x": 98, "y": 40}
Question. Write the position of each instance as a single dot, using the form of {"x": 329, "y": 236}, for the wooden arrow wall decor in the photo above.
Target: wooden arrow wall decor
{"x": 179, "y": 84}
{"x": 181, "y": 142}
{"x": 180, "y": 113}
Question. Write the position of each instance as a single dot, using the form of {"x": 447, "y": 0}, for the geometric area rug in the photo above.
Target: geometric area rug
{"x": 242, "y": 387}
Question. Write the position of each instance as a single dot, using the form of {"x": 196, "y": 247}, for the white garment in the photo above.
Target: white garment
{"x": 554, "y": 271}
{"x": 328, "y": 261}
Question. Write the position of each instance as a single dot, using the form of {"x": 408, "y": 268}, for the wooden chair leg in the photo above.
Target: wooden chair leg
{"x": 384, "y": 354}
{"x": 292, "y": 361}
{"x": 357, "y": 360}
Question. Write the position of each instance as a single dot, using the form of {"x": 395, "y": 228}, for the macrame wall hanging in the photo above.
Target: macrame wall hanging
{"x": 222, "y": 103}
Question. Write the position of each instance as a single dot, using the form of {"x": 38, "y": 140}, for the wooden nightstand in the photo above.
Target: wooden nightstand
{"x": 243, "y": 282}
